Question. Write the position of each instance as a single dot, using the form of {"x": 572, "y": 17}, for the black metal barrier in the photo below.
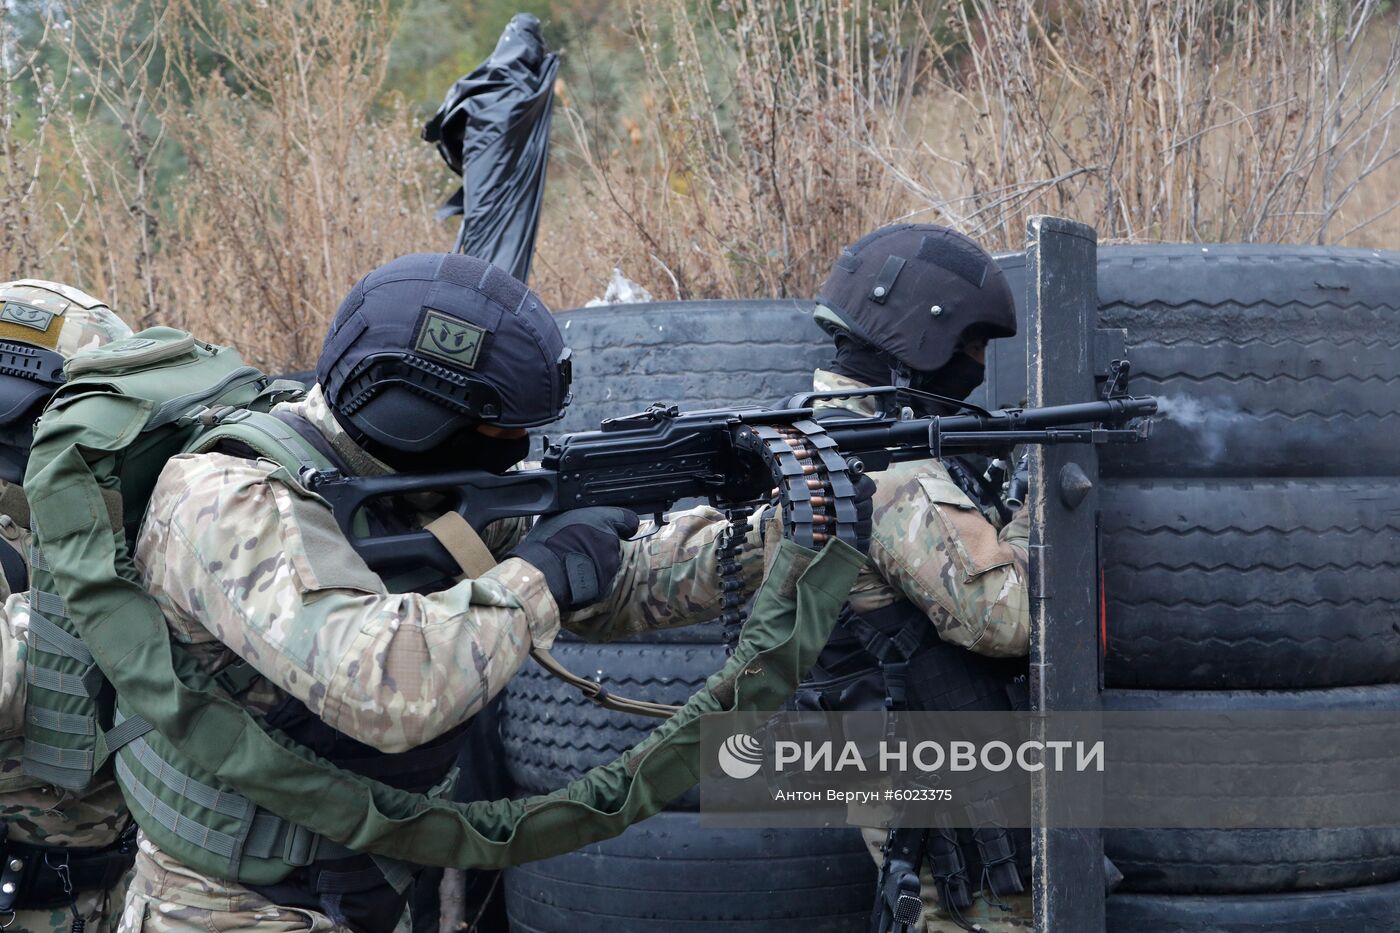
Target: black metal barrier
{"x": 1065, "y": 663}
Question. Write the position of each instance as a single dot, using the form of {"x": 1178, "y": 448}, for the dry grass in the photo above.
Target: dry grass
{"x": 757, "y": 138}
{"x": 296, "y": 179}
{"x": 1153, "y": 120}
{"x": 1170, "y": 120}
{"x": 296, "y": 185}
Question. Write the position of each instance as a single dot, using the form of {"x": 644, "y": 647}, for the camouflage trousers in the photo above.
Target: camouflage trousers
{"x": 45, "y": 815}
{"x": 99, "y": 908}
{"x": 985, "y": 915}
{"x": 167, "y": 896}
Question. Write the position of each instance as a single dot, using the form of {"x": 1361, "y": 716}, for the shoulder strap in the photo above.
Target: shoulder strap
{"x": 12, "y": 565}
{"x": 266, "y": 435}
{"x": 460, "y": 539}
{"x": 14, "y": 504}
{"x": 793, "y": 614}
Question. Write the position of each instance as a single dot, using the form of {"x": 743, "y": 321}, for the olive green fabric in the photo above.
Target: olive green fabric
{"x": 129, "y": 398}
{"x": 791, "y": 620}
{"x": 73, "y": 461}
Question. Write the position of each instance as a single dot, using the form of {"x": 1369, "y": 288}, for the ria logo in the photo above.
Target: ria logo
{"x": 740, "y": 756}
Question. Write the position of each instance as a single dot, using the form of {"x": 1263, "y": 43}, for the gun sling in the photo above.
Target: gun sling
{"x": 460, "y": 539}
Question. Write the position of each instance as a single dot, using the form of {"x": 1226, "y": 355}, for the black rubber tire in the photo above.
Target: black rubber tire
{"x": 552, "y": 735}
{"x": 1243, "y": 861}
{"x": 1243, "y": 584}
{"x": 1289, "y": 354}
{"x": 671, "y": 872}
{"x": 698, "y": 354}
{"x": 1302, "y": 342}
{"x": 1369, "y": 909}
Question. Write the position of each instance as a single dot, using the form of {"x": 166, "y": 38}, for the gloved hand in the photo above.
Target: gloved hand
{"x": 1019, "y": 486}
{"x": 579, "y": 552}
{"x": 865, "y": 510}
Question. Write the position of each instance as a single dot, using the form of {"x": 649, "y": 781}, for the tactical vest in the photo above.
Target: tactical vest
{"x": 893, "y": 659}
{"x": 249, "y": 802}
{"x": 167, "y": 377}
{"x": 177, "y": 804}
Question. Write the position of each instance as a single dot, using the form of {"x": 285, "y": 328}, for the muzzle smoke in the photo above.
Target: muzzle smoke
{"x": 1208, "y": 421}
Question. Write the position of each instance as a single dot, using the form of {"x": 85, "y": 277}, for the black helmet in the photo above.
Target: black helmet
{"x": 431, "y": 343}
{"x": 915, "y": 291}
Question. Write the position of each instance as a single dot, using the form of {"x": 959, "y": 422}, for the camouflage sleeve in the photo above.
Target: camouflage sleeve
{"x": 13, "y": 629}
{"x": 669, "y": 577}
{"x": 933, "y": 545}
{"x": 237, "y": 554}
{"x": 16, "y": 537}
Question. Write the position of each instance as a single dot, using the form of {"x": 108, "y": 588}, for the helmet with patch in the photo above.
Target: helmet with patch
{"x": 432, "y": 343}
{"x": 916, "y": 291}
{"x": 42, "y": 324}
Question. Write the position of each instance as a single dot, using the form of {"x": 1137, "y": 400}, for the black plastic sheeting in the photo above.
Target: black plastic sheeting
{"x": 493, "y": 130}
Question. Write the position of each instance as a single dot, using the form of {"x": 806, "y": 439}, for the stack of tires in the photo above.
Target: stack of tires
{"x": 1252, "y": 561}
{"x": 670, "y": 871}
{"x": 1252, "y": 552}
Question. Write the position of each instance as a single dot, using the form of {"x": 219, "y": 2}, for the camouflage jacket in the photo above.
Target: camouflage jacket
{"x": 932, "y": 546}
{"x": 245, "y": 564}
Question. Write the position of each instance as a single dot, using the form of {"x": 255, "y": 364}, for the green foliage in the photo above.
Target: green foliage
{"x": 439, "y": 41}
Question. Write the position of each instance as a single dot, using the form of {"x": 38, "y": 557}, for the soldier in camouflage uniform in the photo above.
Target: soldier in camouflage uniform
{"x": 248, "y": 567}
{"x": 914, "y": 305}
{"x": 59, "y": 318}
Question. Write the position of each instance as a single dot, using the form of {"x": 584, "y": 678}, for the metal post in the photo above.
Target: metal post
{"x": 1061, "y": 312}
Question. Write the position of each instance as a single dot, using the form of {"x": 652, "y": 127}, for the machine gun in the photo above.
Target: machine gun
{"x": 734, "y": 458}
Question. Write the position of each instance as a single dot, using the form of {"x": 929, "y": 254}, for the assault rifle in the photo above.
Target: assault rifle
{"x": 734, "y": 458}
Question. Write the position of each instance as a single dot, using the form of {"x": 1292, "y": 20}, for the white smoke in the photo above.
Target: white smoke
{"x": 1207, "y": 420}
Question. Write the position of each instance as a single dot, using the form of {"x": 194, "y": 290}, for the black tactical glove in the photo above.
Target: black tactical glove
{"x": 865, "y": 510}
{"x": 578, "y": 552}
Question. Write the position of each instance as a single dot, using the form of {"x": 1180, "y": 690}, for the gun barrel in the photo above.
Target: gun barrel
{"x": 1114, "y": 411}
{"x": 1005, "y": 428}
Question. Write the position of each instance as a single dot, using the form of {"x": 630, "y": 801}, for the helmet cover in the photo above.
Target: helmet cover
{"x": 42, "y": 324}
{"x": 916, "y": 291}
{"x": 431, "y": 342}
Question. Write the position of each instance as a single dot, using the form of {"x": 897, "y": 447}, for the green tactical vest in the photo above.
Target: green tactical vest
{"x": 169, "y": 378}
{"x": 207, "y": 780}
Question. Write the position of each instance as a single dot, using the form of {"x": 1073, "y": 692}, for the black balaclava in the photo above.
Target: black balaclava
{"x": 958, "y": 379}
{"x": 467, "y": 449}
{"x": 856, "y": 359}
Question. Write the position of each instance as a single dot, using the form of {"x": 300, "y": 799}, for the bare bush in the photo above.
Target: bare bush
{"x": 745, "y": 170}
{"x": 298, "y": 176}
{"x": 1170, "y": 120}
{"x": 113, "y": 135}
{"x": 297, "y": 186}
{"x": 234, "y": 167}
{"x": 1173, "y": 120}
{"x": 27, "y": 138}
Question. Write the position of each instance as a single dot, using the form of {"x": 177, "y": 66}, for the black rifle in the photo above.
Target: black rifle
{"x": 734, "y": 458}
